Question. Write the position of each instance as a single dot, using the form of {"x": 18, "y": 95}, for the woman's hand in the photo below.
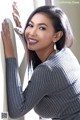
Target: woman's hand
{"x": 16, "y": 17}
{"x": 5, "y": 33}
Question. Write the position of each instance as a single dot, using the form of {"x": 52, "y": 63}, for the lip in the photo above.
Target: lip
{"x": 32, "y": 41}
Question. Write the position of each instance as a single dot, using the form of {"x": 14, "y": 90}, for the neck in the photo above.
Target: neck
{"x": 44, "y": 55}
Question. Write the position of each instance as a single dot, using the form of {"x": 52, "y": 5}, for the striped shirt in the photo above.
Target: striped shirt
{"x": 53, "y": 90}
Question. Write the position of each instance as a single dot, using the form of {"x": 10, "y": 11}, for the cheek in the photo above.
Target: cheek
{"x": 45, "y": 34}
{"x": 49, "y": 37}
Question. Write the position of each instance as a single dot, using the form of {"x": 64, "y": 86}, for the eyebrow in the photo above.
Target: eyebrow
{"x": 39, "y": 23}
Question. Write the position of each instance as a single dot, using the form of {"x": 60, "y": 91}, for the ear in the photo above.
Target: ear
{"x": 57, "y": 36}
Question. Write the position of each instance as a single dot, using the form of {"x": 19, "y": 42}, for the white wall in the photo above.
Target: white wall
{"x": 25, "y": 8}
{"x": 72, "y": 9}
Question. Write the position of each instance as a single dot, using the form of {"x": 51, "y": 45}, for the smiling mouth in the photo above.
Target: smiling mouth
{"x": 32, "y": 41}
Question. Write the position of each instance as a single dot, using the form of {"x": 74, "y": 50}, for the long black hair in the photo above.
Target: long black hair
{"x": 60, "y": 23}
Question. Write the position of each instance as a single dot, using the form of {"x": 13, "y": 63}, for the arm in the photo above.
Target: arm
{"x": 20, "y": 102}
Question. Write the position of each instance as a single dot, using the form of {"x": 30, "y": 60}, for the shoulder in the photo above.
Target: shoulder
{"x": 48, "y": 69}
{"x": 62, "y": 60}
{"x": 42, "y": 69}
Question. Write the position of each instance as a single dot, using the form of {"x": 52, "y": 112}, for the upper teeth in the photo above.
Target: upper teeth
{"x": 30, "y": 40}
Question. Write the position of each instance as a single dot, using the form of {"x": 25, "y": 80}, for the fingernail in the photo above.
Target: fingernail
{"x": 16, "y": 29}
{"x": 15, "y": 2}
{"x": 5, "y": 20}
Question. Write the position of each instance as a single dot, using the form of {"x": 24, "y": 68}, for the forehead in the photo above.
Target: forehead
{"x": 41, "y": 18}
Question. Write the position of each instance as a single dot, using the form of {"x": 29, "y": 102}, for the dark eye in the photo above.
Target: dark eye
{"x": 42, "y": 28}
{"x": 30, "y": 25}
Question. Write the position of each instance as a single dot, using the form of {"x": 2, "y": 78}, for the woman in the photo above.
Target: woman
{"x": 54, "y": 88}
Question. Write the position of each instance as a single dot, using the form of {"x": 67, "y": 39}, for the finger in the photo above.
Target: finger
{"x": 5, "y": 25}
{"x": 3, "y": 38}
{"x": 2, "y": 35}
{"x": 15, "y": 9}
{"x": 5, "y": 28}
{"x": 15, "y": 15}
{"x": 18, "y": 31}
{"x": 17, "y": 21}
{"x": 15, "y": 4}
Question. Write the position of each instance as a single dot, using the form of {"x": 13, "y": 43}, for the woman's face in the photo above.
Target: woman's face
{"x": 39, "y": 33}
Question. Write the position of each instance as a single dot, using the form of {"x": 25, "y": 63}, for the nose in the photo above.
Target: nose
{"x": 33, "y": 31}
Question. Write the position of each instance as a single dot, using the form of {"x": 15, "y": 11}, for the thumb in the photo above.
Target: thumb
{"x": 18, "y": 30}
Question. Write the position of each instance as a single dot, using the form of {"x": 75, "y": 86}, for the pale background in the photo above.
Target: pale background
{"x": 71, "y": 8}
